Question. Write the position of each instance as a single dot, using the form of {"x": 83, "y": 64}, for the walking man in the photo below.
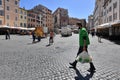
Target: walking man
{"x": 51, "y": 41}
{"x": 7, "y": 34}
{"x": 33, "y": 36}
{"x": 99, "y": 37}
{"x": 83, "y": 45}
{"x": 51, "y": 37}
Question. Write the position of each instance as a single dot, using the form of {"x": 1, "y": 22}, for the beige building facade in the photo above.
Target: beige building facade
{"x": 46, "y": 16}
{"x": 73, "y": 21}
{"x": 98, "y": 11}
{"x": 22, "y": 17}
{"x": 49, "y": 19}
{"x": 2, "y": 12}
{"x": 32, "y": 19}
{"x": 90, "y": 24}
{"x": 61, "y": 17}
{"x": 11, "y": 12}
{"x": 106, "y": 11}
{"x": 107, "y": 17}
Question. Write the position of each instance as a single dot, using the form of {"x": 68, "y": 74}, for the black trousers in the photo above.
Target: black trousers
{"x": 50, "y": 40}
{"x": 33, "y": 36}
{"x": 79, "y": 51}
{"x": 7, "y": 36}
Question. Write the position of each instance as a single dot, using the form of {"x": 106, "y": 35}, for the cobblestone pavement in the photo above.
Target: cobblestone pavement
{"x": 22, "y": 60}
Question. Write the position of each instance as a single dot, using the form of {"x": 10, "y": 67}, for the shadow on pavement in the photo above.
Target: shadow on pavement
{"x": 3, "y": 39}
{"x": 47, "y": 45}
{"x": 80, "y": 77}
{"x": 33, "y": 43}
{"x": 100, "y": 41}
{"x": 116, "y": 42}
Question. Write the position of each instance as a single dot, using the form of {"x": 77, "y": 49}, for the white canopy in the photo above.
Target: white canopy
{"x": 30, "y": 28}
{"x": 4, "y": 26}
{"x": 105, "y": 25}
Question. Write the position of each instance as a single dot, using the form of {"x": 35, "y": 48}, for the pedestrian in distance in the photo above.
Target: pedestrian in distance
{"x": 99, "y": 37}
{"x": 51, "y": 38}
{"x": 33, "y": 36}
{"x": 7, "y": 34}
{"x": 92, "y": 33}
{"x": 83, "y": 45}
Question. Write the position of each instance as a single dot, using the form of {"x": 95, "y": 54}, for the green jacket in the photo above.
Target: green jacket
{"x": 83, "y": 34}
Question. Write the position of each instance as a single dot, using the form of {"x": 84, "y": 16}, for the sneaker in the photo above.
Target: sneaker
{"x": 72, "y": 65}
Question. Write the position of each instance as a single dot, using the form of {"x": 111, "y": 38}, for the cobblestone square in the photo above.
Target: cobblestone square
{"x": 22, "y": 60}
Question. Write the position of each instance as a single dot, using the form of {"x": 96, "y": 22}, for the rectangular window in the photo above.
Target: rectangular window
{"x": 110, "y": 9}
{"x": 0, "y": 2}
{"x": 7, "y": 16}
{"x": 21, "y": 17}
{"x": 25, "y": 17}
{"x": 20, "y": 24}
{"x": 110, "y": 1}
{"x": 16, "y": 18}
{"x": 8, "y": 8}
{"x": 115, "y": 16}
{"x": 16, "y": 2}
{"x": 16, "y": 11}
{"x": 115, "y": 5}
{"x": 25, "y": 13}
{"x": 24, "y": 24}
{"x": 28, "y": 19}
{"x": 1, "y": 13}
{"x": 104, "y": 13}
{"x": 21, "y": 12}
{"x": 107, "y": 11}
{"x": 110, "y": 18}
{"x": 107, "y": 19}
{"x": 0, "y": 22}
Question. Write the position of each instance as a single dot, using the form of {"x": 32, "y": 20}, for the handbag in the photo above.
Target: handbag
{"x": 84, "y": 57}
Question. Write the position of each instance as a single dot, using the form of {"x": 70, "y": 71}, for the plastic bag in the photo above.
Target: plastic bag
{"x": 84, "y": 57}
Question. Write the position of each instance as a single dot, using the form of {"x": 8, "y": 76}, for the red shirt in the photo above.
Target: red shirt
{"x": 51, "y": 34}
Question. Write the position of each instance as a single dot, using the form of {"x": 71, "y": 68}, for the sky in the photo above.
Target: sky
{"x": 76, "y": 8}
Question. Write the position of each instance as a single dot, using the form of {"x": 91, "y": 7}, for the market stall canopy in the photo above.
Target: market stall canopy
{"x": 106, "y": 25}
{"x": 4, "y": 26}
{"x": 30, "y": 28}
{"x": 116, "y": 23}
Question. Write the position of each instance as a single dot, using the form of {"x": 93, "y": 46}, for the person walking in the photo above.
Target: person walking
{"x": 7, "y": 34}
{"x": 51, "y": 37}
{"x": 99, "y": 37}
{"x": 83, "y": 45}
{"x": 33, "y": 36}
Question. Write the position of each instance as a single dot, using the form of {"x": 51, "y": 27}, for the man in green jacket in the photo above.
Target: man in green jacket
{"x": 83, "y": 45}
